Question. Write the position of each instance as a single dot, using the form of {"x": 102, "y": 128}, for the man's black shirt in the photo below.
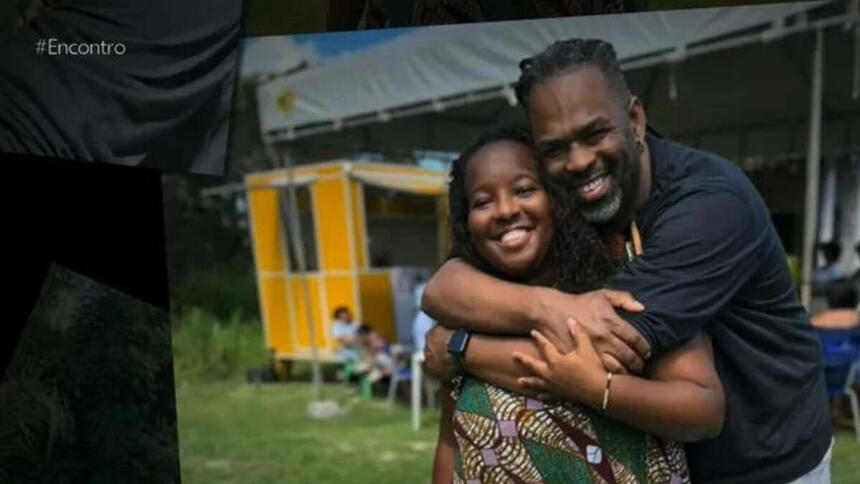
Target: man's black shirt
{"x": 713, "y": 262}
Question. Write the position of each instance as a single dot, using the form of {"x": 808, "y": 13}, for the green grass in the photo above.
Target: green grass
{"x": 846, "y": 458}
{"x": 233, "y": 432}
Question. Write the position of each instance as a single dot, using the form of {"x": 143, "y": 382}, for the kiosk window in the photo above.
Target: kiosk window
{"x": 306, "y": 227}
{"x": 402, "y": 228}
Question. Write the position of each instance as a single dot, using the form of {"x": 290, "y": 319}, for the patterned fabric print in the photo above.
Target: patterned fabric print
{"x": 669, "y": 462}
{"x": 504, "y": 437}
{"x": 489, "y": 450}
{"x": 581, "y": 426}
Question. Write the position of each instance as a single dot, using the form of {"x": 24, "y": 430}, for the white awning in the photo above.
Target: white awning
{"x": 232, "y": 188}
{"x": 418, "y": 184}
{"x": 280, "y": 182}
{"x": 446, "y": 65}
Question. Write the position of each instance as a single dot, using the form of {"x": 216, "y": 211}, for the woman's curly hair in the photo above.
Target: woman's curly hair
{"x": 583, "y": 262}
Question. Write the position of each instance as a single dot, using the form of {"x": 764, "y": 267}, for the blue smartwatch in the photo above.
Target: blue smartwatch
{"x": 457, "y": 345}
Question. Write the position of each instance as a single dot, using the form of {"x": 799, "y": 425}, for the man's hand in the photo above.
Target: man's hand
{"x": 620, "y": 346}
{"x": 437, "y": 361}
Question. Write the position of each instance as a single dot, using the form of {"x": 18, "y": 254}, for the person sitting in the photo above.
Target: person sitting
{"x": 842, "y": 305}
{"x": 344, "y": 331}
{"x": 843, "y": 313}
{"x": 376, "y": 358}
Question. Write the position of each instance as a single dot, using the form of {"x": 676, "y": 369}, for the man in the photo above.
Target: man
{"x": 710, "y": 260}
{"x": 842, "y": 308}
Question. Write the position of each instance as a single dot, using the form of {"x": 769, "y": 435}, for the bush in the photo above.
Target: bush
{"x": 208, "y": 348}
{"x": 88, "y": 396}
{"x": 226, "y": 291}
{"x": 209, "y": 258}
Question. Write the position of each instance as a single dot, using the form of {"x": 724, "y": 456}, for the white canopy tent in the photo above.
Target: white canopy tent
{"x": 438, "y": 67}
{"x": 460, "y": 76}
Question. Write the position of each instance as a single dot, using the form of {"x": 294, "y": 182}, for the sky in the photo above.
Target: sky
{"x": 280, "y": 53}
{"x": 346, "y": 43}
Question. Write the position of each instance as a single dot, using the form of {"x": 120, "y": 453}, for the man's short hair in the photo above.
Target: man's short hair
{"x": 565, "y": 56}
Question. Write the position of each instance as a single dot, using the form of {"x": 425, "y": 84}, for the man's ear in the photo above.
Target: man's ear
{"x": 636, "y": 116}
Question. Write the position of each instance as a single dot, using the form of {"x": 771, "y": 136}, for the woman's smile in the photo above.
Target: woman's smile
{"x": 515, "y": 238}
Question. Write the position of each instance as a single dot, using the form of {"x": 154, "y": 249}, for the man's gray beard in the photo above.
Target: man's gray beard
{"x": 603, "y": 211}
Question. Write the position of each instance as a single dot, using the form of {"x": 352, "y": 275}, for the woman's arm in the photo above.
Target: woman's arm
{"x": 683, "y": 400}
{"x": 487, "y": 358}
{"x": 446, "y": 447}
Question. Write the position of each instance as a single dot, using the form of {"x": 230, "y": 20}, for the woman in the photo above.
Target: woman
{"x": 503, "y": 221}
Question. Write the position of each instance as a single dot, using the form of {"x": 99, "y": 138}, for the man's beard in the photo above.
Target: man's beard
{"x": 606, "y": 210}
{"x": 603, "y": 210}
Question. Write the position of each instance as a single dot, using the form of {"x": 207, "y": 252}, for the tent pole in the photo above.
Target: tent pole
{"x": 295, "y": 239}
{"x": 813, "y": 161}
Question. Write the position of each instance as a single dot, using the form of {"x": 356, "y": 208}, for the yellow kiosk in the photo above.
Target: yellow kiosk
{"x": 367, "y": 229}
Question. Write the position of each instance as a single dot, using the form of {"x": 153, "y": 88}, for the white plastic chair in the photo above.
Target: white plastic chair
{"x": 414, "y": 374}
{"x": 851, "y": 393}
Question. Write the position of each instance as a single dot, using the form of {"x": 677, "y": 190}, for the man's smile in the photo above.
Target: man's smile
{"x": 594, "y": 189}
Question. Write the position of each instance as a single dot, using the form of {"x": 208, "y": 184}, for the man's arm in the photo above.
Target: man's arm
{"x": 699, "y": 254}
{"x": 460, "y": 296}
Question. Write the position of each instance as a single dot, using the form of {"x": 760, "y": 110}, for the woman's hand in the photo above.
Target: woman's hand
{"x": 621, "y": 347}
{"x": 577, "y": 376}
